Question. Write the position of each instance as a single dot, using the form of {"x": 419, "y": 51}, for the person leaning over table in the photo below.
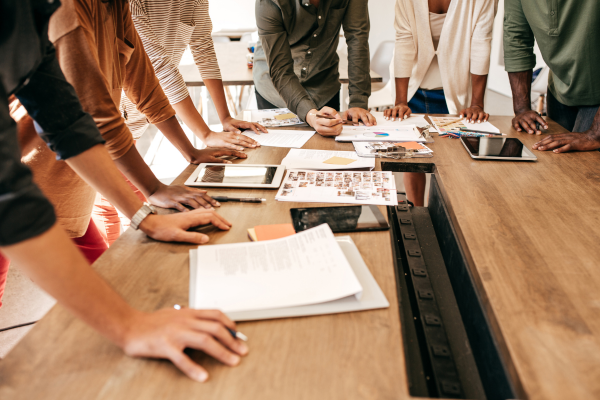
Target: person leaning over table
{"x": 441, "y": 64}
{"x": 29, "y": 233}
{"x": 166, "y": 28}
{"x": 296, "y": 64}
{"x": 101, "y": 55}
{"x": 568, "y": 36}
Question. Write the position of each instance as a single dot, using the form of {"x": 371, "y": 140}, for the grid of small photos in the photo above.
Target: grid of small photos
{"x": 370, "y": 187}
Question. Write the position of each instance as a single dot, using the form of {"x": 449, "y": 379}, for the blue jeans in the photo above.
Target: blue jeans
{"x": 428, "y": 102}
{"x": 572, "y": 118}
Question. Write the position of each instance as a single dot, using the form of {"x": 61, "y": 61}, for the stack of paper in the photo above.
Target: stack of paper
{"x": 306, "y": 268}
{"x": 325, "y": 160}
{"x": 272, "y": 117}
{"x": 281, "y": 138}
{"x": 367, "y": 149}
{"x": 350, "y": 187}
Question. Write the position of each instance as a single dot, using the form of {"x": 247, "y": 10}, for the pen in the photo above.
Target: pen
{"x": 344, "y": 121}
{"x": 235, "y": 334}
{"x": 480, "y": 131}
{"x": 240, "y": 199}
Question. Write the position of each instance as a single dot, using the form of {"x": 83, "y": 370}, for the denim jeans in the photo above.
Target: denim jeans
{"x": 572, "y": 118}
{"x": 428, "y": 102}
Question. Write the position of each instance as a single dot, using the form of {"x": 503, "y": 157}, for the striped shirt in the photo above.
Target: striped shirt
{"x": 166, "y": 28}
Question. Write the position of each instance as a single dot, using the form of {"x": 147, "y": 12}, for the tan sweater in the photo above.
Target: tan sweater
{"x": 464, "y": 47}
{"x": 88, "y": 44}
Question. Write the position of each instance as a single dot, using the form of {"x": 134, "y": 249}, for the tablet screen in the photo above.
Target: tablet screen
{"x": 496, "y": 147}
{"x": 236, "y": 174}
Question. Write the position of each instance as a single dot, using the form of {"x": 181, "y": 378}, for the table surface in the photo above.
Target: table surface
{"x": 234, "y": 67}
{"x": 530, "y": 232}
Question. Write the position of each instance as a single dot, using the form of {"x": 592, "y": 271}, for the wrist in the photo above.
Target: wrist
{"x": 149, "y": 224}
{"x": 474, "y": 104}
{"x": 401, "y": 103}
{"x": 127, "y": 332}
{"x": 311, "y": 116}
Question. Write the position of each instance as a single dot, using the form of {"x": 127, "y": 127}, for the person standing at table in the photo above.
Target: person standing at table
{"x": 568, "y": 36}
{"x": 441, "y": 63}
{"x": 296, "y": 64}
{"x": 30, "y": 234}
{"x": 166, "y": 28}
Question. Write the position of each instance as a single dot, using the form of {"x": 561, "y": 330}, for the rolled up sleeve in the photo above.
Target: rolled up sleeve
{"x": 356, "y": 30}
{"x": 518, "y": 39}
{"x": 279, "y": 58}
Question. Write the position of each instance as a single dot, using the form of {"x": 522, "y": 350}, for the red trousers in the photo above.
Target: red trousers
{"x": 91, "y": 244}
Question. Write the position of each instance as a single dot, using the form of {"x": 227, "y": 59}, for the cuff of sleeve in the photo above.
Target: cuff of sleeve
{"x": 82, "y": 135}
{"x": 519, "y": 64}
{"x": 25, "y": 215}
{"x": 359, "y": 101}
{"x": 118, "y": 141}
{"x": 304, "y": 107}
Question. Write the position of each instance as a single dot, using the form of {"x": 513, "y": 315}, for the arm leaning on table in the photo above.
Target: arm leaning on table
{"x": 171, "y": 80}
{"x": 356, "y": 27}
{"x": 277, "y": 50}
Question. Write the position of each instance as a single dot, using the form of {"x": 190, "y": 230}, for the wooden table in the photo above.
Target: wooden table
{"x": 234, "y": 67}
{"x": 530, "y": 233}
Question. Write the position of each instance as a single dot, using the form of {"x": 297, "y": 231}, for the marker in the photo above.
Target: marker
{"x": 235, "y": 334}
{"x": 239, "y": 199}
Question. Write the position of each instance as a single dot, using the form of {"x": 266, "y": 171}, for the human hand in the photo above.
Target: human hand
{"x": 210, "y": 155}
{"x": 175, "y": 196}
{"x": 357, "y": 114}
{"x": 325, "y": 126}
{"x": 166, "y": 333}
{"x": 235, "y": 126}
{"x": 474, "y": 114}
{"x": 229, "y": 140}
{"x": 572, "y": 141}
{"x": 526, "y": 120}
{"x": 400, "y": 111}
{"x": 173, "y": 227}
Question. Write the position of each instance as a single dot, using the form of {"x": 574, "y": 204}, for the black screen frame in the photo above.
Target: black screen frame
{"x": 297, "y": 214}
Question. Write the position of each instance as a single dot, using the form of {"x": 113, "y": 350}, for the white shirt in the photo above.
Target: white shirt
{"x": 433, "y": 79}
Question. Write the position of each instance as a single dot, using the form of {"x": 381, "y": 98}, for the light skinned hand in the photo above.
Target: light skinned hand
{"x": 210, "y": 155}
{"x": 399, "y": 112}
{"x": 175, "y": 196}
{"x": 474, "y": 114}
{"x": 166, "y": 333}
{"x": 525, "y": 121}
{"x": 572, "y": 141}
{"x": 357, "y": 114}
{"x": 236, "y": 126}
{"x": 324, "y": 126}
{"x": 174, "y": 227}
{"x": 229, "y": 140}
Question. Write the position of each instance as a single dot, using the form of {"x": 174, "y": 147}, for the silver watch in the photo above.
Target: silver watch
{"x": 141, "y": 214}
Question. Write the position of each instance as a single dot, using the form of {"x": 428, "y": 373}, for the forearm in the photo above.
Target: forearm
{"x": 478, "y": 85}
{"x": 132, "y": 165}
{"x": 520, "y": 85}
{"x": 97, "y": 168}
{"x": 402, "y": 90}
{"x": 186, "y": 110}
{"x": 56, "y": 265}
{"x": 215, "y": 88}
{"x": 175, "y": 134}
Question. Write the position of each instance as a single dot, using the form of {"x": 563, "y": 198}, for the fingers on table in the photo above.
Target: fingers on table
{"x": 186, "y": 365}
{"x": 558, "y": 143}
{"x": 202, "y": 217}
{"x": 218, "y": 331}
{"x": 207, "y": 343}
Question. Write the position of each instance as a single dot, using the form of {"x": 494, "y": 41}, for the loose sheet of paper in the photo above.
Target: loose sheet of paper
{"x": 306, "y": 268}
{"x": 363, "y": 149}
{"x": 349, "y": 187}
{"x": 339, "y": 161}
{"x": 272, "y": 117}
{"x": 406, "y": 133}
{"x": 415, "y": 119}
{"x": 455, "y": 126}
{"x": 314, "y": 159}
{"x": 281, "y": 138}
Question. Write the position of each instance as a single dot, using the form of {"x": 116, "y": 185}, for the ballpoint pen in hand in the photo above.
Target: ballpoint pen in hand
{"x": 235, "y": 334}
{"x": 239, "y": 199}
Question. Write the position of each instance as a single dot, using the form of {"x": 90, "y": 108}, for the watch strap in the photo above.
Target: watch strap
{"x": 141, "y": 214}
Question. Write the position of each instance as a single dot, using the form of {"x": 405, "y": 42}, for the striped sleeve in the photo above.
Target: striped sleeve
{"x": 165, "y": 67}
{"x": 201, "y": 43}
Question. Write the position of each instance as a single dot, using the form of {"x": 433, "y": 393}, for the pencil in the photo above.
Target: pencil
{"x": 450, "y": 122}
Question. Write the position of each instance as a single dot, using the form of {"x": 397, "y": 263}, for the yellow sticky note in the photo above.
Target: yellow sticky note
{"x": 285, "y": 116}
{"x": 339, "y": 161}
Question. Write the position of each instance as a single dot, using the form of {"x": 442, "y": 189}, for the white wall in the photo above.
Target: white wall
{"x": 381, "y": 14}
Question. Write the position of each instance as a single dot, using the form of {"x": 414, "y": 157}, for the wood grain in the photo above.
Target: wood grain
{"x": 234, "y": 67}
{"x": 530, "y": 232}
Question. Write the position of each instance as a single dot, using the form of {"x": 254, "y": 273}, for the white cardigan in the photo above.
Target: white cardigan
{"x": 464, "y": 47}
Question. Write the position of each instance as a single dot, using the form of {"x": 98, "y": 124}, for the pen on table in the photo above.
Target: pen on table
{"x": 235, "y": 334}
{"x": 480, "y": 131}
{"x": 240, "y": 199}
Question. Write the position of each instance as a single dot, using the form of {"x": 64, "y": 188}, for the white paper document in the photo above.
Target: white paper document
{"x": 306, "y": 268}
{"x": 272, "y": 117}
{"x": 348, "y": 187}
{"x": 405, "y": 133}
{"x": 314, "y": 159}
{"x": 453, "y": 125}
{"x": 365, "y": 149}
{"x": 281, "y": 138}
{"x": 414, "y": 119}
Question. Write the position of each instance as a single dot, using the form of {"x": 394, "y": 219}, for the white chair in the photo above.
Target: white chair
{"x": 381, "y": 92}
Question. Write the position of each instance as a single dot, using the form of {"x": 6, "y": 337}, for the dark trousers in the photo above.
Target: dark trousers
{"x": 263, "y": 104}
{"x": 572, "y": 118}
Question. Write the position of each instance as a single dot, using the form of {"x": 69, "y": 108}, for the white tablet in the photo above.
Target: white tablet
{"x": 237, "y": 176}
{"x": 488, "y": 148}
